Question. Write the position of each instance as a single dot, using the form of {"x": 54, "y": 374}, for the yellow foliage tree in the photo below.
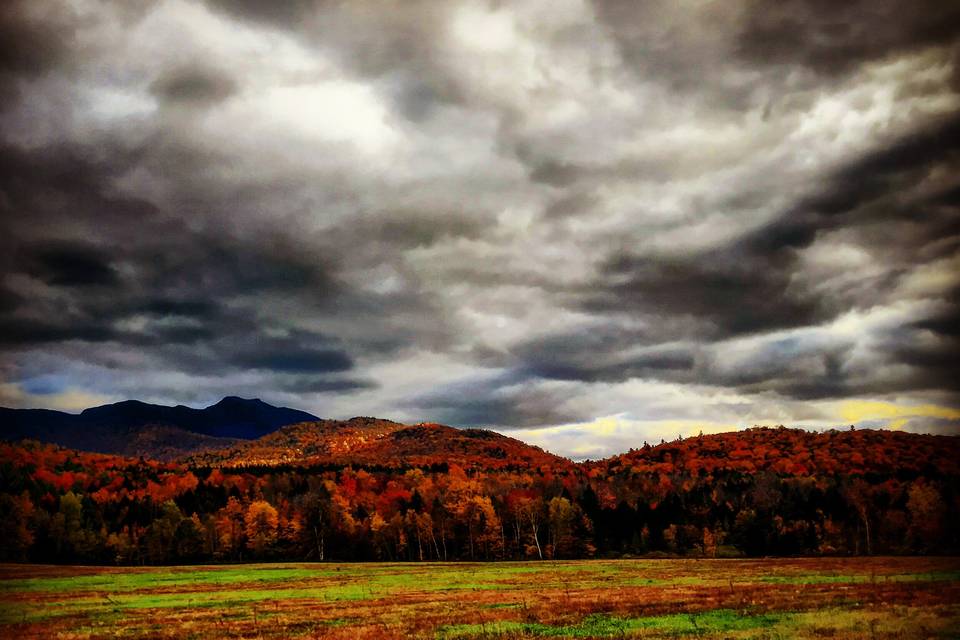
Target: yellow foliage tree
{"x": 260, "y": 523}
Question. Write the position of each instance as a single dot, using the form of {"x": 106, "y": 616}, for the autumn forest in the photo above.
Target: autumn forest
{"x": 435, "y": 493}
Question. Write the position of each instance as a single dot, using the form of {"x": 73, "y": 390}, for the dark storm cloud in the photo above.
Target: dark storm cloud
{"x": 32, "y": 40}
{"x": 503, "y": 400}
{"x": 30, "y": 332}
{"x": 945, "y": 322}
{"x": 192, "y": 297}
{"x": 173, "y": 307}
{"x": 71, "y": 190}
{"x": 314, "y": 384}
{"x": 593, "y": 368}
{"x": 163, "y": 256}
{"x": 9, "y": 300}
{"x": 745, "y": 286}
{"x": 877, "y": 178}
{"x": 612, "y": 357}
{"x": 552, "y": 204}
{"x": 831, "y": 38}
{"x": 281, "y": 14}
{"x": 397, "y": 229}
{"x": 816, "y": 376}
{"x": 603, "y": 354}
{"x": 69, "y": 264}
{"x": 294, "y": 353}
{"x": 930, "y": 346}
{"x": 59, "y": 188}
{"x": 749, "y": 287}
{"x": 728, "y": 292}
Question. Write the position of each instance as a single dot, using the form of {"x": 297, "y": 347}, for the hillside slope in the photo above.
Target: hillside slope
{"x": 793, "y": 452}
{"x": 374, "y": 442}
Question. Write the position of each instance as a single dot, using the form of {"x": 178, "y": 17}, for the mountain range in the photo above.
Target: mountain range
{"x": 238, "y": 432}
{"x": 134, "y": 428}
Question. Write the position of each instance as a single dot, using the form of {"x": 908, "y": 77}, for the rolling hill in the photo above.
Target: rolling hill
{"x": 236, "y": 432}
{"x": 792, "y": 452}
{"x": 367, "y": 441}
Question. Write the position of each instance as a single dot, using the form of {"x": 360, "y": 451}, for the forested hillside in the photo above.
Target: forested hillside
{"x": 385, "y": 491}
{"x": 371, "y": 442}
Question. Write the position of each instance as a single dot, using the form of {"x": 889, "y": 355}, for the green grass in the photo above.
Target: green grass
{"x": 828, "y": 578}
{"x": 137, "y": 580}
{"x": 723, "y": 623}
{"x": 671, "y": 582}
{"x": 576, "y": 599}
{"x": 139, "y": 590}
{"x": 189, "y": 600}
{"x": 602, "y": 626}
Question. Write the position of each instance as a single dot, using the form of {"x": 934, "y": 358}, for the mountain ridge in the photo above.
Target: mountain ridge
{"x": 237, "y": 432}
{"x": 133, "y": 427}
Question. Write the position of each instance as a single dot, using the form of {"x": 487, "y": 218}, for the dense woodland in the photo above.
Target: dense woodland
{"x": 755, "y": 492}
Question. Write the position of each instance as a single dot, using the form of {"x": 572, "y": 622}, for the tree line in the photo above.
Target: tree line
{"x": 708, "y": 497}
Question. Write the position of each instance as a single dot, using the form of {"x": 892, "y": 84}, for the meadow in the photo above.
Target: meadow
{"x": 764, "y": 598}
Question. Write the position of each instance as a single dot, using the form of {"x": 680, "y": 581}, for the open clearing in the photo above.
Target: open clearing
{"x": 769, "y": 598}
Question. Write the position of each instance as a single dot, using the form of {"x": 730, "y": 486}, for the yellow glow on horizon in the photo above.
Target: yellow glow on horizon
{"x": 896, "y": 415}
{"x": 610, "y": 425}
{"x": 12, "y": 394}
{"x": 896, "y": 425}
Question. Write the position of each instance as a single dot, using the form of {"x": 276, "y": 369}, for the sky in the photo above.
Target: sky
{"x": 584, "y": 224}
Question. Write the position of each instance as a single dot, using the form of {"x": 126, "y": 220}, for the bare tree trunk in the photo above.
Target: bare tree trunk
{"x": 434, "y": 539}
{"x": 443, "y": 539}
{"x": 516, "y": 530}
{"x": 536, "y": 539}
{"x": 866, "y": 526}
{"x": 470, "y": 535}
{"x": 319, "y": 543}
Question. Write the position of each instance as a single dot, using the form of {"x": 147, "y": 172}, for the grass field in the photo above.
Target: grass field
{"x": 783, "y": 598}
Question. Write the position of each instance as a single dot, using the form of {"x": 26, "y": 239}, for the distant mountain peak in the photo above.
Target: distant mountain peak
{"x": 121, "y": 405}
{"x": 110, "y": 428}
{"x": 237, "y": 400}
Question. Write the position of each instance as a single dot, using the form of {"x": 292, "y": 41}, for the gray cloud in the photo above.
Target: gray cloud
{"x": 501, "y": 400}
{"x": 832, "y": 39}
{"x": 482, "y": 214}
{"x": 193, "y": 84}
{"x": 69, "y": 264}
{"x": 33, "y": 41}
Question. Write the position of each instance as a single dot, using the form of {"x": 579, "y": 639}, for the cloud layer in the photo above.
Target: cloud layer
{"x": 553, "y": 217}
